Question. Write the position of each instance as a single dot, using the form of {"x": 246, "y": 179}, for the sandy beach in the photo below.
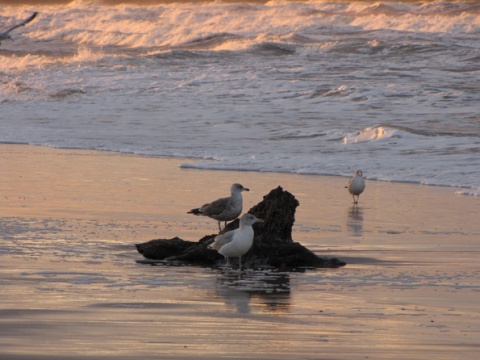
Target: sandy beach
{"x": 71, "y": 287}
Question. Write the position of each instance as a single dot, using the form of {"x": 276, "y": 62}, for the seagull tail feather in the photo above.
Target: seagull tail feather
{"x": 195, "y": 212}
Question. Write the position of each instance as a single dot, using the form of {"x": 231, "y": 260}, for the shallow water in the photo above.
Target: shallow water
{"x": 88, "y": 297}
{"x": 297, "y": 87}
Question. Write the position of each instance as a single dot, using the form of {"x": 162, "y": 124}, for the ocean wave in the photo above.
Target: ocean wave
{"x": 298, "y": 87}
{"x": 370, "y": 134}
{"x": 66, "y": 93}
{"x": 93, "y": 23}
{"x": 180, "y": 54}
{"x": 295, "y": 135}
{"x": 382, "y": 132}
{"x": 273, "y": 48}
{"x": 211, "y": 40}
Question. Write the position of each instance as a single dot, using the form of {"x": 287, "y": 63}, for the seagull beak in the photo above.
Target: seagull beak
{"x": 246, "y": 189}
{"x": 259, "y": 221}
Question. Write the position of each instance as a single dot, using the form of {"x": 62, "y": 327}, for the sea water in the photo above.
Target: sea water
{"x": 311, "y": 87}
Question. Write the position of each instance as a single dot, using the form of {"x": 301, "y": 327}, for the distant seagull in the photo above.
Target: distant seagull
{"x": 356, "y": 185}
{"x": 236, "y": 243}
{"x": 224, "y": 209}
{"x": 6, "y": 35}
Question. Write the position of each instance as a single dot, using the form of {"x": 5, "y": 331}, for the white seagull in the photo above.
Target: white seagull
{"x": 224, "y": 209}
{"x": 356, "y": 185}
{"x": 6, "y": 35}
{"x": 236, "y": 243}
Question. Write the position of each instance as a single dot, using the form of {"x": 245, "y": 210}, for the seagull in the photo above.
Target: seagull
{"x": 6, "y": 35}
{"x": 236, "y": 243}
{"x": 356, "y": 185}
{"x": 224, "y": 209}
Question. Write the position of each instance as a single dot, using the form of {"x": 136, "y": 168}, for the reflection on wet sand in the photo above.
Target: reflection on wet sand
{"x": 270, "y": 287}
{"x": 355, "y": 220}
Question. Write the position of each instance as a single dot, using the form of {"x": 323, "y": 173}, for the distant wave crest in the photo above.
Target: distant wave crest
{"x": 370, "y": 134}
{"x": 166, "y": 24}
{"x": 382, "y": 132}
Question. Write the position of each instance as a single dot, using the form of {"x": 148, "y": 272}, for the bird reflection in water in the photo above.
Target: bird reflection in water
{"x": 270, "y": 288}
{"x": 355, "y": 220}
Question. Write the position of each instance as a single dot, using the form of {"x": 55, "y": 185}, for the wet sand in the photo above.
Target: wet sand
{"x": 71, "y": 288}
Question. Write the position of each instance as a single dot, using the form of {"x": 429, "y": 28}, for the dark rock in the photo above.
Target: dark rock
{"x": 272, "y": 246}
{"x": 163, "y": 248}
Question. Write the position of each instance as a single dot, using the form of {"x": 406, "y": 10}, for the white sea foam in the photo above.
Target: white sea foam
{"x": 370, "y": 134}
{"x": 467, "y": 193}
{"x": 175, "y": 24}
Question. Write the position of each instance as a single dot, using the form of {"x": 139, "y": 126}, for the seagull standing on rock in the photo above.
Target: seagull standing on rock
{"x": 224, "y": 209}
{"x": 356, "y": 185}
{"x": 236, "y": 243}
{"x": 6, "y": 35}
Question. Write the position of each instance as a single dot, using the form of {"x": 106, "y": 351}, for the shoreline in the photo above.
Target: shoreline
{"x": 72, "y": 288}
{"x": 185, "y": 161}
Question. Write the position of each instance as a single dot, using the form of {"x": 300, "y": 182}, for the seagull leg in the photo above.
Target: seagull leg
{"x": 240, "y": 263}
{"x": 219, "y": 227}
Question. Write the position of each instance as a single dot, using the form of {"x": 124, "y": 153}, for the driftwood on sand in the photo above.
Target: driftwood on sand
{"x": 273, "y": 245}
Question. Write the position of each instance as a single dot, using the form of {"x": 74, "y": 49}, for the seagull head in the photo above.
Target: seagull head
{"x": 249, "y": 219}
{"x": 238, "y": 188}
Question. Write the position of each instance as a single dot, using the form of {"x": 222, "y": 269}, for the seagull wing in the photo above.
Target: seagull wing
{"x": 215, "y": 208}
{"x": 23, "y": 23}
{"x": 222, "y": 239}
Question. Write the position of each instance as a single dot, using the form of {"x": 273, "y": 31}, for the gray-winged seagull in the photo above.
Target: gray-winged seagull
{"x": 356, "y": 185}
{"x": 224, "y": 209}
{"x": 236, "y": 243}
